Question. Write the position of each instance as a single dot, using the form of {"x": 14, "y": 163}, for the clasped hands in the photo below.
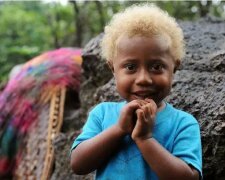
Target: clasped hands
{"x": 137, "y": 119}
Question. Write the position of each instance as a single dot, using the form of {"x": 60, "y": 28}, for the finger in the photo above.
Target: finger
{"x": 149, "y": 100}
{"x": 153, "y": 105}
{"x": 141, "y": 102}
{"x": 152, "y": 111}
{"x": 132, "y": 106}
{"x": 146, "y": 118}
{"x": 140, "y": 115}
{"x": 147, "y": 112}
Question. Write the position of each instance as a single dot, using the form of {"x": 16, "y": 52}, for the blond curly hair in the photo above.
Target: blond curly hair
{"x": 143, "y": 20}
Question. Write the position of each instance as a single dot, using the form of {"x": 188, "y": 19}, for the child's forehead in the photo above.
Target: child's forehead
{"x": 163, "y": 42}
{"x": 142, "y": 48}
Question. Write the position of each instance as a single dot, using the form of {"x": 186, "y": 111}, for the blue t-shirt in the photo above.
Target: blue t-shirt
{"x": 177, "y": 131}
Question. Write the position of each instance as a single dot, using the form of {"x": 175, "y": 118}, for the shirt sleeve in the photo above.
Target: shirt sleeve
{"x": 91, "y": 128}
{"x": 187, "y": 143}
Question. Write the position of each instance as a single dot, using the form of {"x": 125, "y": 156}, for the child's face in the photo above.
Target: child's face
{"x": 143, "y": 68}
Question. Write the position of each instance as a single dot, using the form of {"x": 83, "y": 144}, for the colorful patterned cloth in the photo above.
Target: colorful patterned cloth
{"x": 25, "y": 95}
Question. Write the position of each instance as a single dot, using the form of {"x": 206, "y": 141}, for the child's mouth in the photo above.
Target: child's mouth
{"x": 143, "y": 94}
{"x": 141, "y": 97}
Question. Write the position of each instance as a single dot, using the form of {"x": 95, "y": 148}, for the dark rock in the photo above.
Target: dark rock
{"x": 95, "y": 72}
{"x": 62, "y": 159}
{"x": 111, "y": 95}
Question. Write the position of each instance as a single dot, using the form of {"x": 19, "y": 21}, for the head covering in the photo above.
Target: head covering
{"x": 26, "y": 93}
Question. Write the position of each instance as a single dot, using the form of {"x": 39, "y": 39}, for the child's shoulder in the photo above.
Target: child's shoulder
{"x": 182, "y": 115}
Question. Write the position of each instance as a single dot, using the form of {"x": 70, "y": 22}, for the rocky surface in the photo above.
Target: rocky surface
{"x": 198, "y": 88}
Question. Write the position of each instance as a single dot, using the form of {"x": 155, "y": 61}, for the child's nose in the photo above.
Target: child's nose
{"x": 143, "y": 78}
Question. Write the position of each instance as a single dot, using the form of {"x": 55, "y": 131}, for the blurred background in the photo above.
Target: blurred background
{"x": 29, "y": 28}
{"x": 62, "y": 28}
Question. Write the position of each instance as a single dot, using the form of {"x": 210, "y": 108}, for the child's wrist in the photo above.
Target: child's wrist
{"x": 142, "y": 138}
{"x": 119, "y": 130}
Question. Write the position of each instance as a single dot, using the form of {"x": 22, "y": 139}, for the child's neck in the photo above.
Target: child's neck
{"x": 161, "y": 106}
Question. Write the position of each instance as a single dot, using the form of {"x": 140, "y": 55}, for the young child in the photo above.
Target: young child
{"x": 143, "y": 137}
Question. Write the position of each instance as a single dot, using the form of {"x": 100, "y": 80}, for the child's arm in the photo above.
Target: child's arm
{"x": 93, "y": 153}
{"x": 164, "y": 164}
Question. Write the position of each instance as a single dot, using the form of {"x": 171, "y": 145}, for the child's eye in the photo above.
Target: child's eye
{"x": 157, "y": 67}
{"x": 130, "y": 67}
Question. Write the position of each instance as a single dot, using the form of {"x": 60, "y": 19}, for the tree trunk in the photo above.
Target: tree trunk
{"x": 101, "y": 15}
{"x": 78, "y": 24}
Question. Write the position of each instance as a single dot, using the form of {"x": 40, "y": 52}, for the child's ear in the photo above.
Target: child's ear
{"x": 110, "y": 64}
{"x": 177, "y": 64}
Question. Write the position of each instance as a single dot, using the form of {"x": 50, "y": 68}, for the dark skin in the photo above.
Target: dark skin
{"x": 143, "y": 70}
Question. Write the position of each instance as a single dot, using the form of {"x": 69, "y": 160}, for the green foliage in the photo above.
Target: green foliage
{"x": 28, "y": 28}
{"x": 21, "y": 35}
